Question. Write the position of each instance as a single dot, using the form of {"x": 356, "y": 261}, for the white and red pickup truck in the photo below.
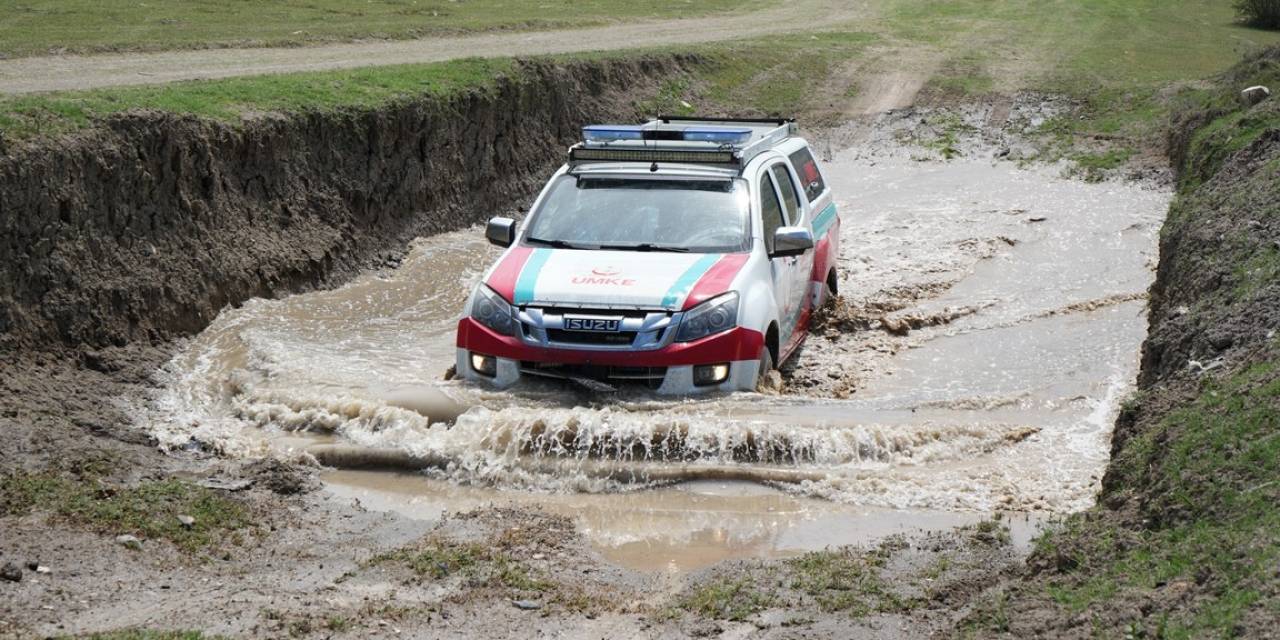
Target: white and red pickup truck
{"x": 685, "y": 253}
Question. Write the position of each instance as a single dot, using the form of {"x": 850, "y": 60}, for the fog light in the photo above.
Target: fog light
{"x": 484, "y": 365}
{"x": 705, "y": 374}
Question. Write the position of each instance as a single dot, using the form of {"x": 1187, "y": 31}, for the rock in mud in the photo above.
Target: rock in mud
{"x": 1254, "y": 95}
{"x": 11, "y": 572}
{"x": 280, "y": 477}
{"x": 101, "y": 361}
{"x": 526, "y": 605}
{"x": 187, "y": 522}
{"x": 129, "y": 542}
{"x": 895, "y": 326}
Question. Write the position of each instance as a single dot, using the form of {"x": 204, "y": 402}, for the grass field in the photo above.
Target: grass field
{"x": 35, "y": 27}
{"x": 226, "y": 100}
{"x": 1116, "y": 56}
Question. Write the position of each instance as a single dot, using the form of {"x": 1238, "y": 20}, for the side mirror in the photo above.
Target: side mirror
{"x": 501, "y": 231}
{"x": 791, "y": 241}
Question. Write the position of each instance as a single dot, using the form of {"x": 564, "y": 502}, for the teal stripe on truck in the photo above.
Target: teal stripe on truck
{"x": 822, "y": 223}
{"x": 529, "y": 276}
{"x": 684, "y": 284}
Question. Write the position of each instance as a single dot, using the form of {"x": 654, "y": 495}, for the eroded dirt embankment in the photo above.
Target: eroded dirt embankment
{"x": 1184, "y": 541}
{"x": 148, "y": 225}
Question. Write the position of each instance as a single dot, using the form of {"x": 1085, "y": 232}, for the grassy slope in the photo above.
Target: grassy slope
{"x": 1186, "y": 542}
{"x": 33, "y": 27}
{"x": 763, "y": 77}
{"x": 1114, "y": 55}
{"x": 50, "y": 114}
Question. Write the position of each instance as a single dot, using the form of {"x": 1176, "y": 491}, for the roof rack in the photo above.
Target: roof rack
{"x": 683, "y": 139}
{"x": 778, "y": 121}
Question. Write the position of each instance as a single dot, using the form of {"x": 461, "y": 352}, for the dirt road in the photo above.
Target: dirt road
{"x": 55, "y": 73}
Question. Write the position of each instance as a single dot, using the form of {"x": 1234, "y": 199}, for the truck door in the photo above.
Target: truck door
{"x": 772, "y": 216}
{"x": 798, "y": 267}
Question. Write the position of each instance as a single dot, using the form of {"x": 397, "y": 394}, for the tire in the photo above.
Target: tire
{"x": 762, "y": 374}
{"x": 829, "y": 299}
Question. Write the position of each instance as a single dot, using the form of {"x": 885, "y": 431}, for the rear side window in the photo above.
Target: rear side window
{"x": 807, "y": 168}
{"x": 789, "y": 198}
{"x": 771, "y": 212}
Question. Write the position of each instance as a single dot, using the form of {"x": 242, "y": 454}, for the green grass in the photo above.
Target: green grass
{"x": 148, "y": 510}
{"x": 845, "y": 581}
{"x": 481, "y": 565}
{"x": 781, "y": 75}
{"x": 734, "y": 599}
{"x": 1081, "y": 45}
{"x": 1216, "y": 461}
{"x": 231, "y": 99}
{"x": 1113, "y": 56}
{"x": 33, "y": 27}
{"x": 759, "y": 77}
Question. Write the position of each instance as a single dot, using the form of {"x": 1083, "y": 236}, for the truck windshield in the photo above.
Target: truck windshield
{"x": 643, "y": 214}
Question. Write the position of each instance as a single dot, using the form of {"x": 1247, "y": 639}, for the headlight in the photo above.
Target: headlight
{"x": 709, "y": 318}
{"x": 489, "y": 309}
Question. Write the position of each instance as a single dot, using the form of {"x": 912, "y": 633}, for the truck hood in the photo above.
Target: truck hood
{"x": 648, "y": 279}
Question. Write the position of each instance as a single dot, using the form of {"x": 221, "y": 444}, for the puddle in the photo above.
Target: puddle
{"x": 1005, "y": 407}
{"x": 678, "y": 528}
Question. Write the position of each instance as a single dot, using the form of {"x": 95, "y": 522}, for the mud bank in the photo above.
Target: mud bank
{"x": 1184, "y": 541}
{"x": 149, "y": 224}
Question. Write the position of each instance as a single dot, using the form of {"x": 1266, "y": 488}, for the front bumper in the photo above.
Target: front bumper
{"x": 670, "y": 368}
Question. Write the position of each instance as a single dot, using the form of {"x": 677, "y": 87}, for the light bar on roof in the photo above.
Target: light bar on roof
{"x": 615, "y": 154}
{"x": 605, "y": 133}
{"x": 612, "y": 132}
{"x": 722, "y": 135}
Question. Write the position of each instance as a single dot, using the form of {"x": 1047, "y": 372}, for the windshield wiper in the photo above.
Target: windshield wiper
{"x": 557, "y": 244}
{"x": 644, "y": 246}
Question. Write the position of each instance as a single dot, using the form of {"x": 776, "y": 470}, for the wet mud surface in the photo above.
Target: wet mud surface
{"x": 988, "y": 326}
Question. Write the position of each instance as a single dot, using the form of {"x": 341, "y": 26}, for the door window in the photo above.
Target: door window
{"x": 790, "y": 201}
{"x": 770, "y": 210}
{"x": 807, "y": 168}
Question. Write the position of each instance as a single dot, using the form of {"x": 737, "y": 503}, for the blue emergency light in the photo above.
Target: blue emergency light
{"x": 612, "y": 133}
{"x": 615, "y": 133}
{"x": 722, "y": 135}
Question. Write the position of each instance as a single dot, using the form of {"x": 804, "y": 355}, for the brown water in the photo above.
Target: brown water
{"x": 1007, "y": 407}
{"x": 673, "y": 528}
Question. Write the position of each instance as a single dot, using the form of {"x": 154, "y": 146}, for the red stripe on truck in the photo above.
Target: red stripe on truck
{"x": 504, "y": 276}
{"x": 716, "y": 280}
{"x": 730, "y": 346}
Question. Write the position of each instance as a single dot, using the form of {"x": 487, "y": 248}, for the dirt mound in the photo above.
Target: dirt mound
{"x": 148, "y": 225}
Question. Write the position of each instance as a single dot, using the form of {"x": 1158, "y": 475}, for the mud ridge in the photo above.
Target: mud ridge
{"x": 1189, "y": 451}
{"x": 147, "y": 225}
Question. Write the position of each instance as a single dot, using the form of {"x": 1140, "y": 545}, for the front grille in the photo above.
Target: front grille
{"x": 591, "y": 337}
{"x": 575, "y": 311}
{"x": 653, "y": 375}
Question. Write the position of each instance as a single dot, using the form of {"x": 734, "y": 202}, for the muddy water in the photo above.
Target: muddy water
{"x": 673, "y": 528}
{"x": 1031, "y": 286}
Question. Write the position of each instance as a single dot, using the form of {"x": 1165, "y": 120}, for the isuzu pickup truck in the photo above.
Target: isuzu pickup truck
{"x": 686, "y": 254}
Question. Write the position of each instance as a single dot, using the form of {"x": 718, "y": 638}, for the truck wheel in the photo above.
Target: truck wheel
{"x": 833, "y": 290}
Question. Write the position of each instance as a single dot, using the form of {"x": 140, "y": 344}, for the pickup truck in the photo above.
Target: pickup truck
{"x": 686, "y": 254}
